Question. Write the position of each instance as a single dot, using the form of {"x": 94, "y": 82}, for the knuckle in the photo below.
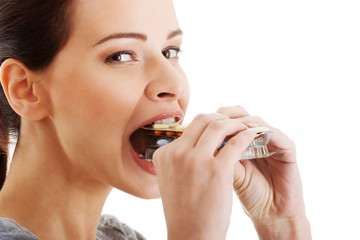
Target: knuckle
{"x": 233, "y": 111}
{"x": 163, "y": 152}
{"x": 209, "y": 117}
{"x": 174, "y": 151}
{"x": 239, "y": 108}
{"x": 201, "y": 117}
{"x": 258, "y": 119}
{"x": 158, "y": 155}
{"x": 234, "y": 142}
{"x": 220, "y": 116}
{"x": 223, "y": 110}
{"x": 292, "y": 144}
{"x": 178, "y": 154}
{"x": 216, "y": 125}
{"x": 231, "y": 108}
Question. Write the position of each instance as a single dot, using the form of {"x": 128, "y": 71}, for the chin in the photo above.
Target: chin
{"x": 149, "y": 195}
{"x": 146, "y": 191}
{"x": 139, "y": 183}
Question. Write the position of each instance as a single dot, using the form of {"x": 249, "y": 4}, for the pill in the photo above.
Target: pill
{"x": 161, "y": 126}
{"x": 170, "y": 133}
{"x": 173, "y": 125}
{"x": 180, "y": 128}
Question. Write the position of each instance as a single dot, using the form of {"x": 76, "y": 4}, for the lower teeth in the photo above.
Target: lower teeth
{"x": 149, "y": 159}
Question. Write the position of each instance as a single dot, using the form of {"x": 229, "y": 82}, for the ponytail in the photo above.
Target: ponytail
{"x": 9, "y": 124}
{"x": 4, "y": 142}
{"x": 3, "y": 161}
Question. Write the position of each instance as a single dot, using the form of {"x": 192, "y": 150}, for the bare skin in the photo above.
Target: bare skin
{"x": 79, "y": 113}
{"x": 269, "y": 189}
{"x": 77, "y": 117}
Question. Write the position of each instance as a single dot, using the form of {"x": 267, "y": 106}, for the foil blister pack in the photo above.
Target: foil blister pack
{"x": 159, "y": 135}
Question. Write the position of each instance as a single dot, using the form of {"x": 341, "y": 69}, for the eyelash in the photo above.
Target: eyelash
{"x": 176, "y": 49}
{"x": 114, "y": 58}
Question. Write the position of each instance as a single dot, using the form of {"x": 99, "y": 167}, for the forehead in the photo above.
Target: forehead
{"x": 98, "y": 18}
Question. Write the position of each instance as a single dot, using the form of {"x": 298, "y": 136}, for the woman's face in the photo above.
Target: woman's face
{"x": 118, "y": 72}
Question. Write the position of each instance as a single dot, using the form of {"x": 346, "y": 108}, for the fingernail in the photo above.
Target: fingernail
{"x": 252, "y": 125}
{"x": 251, "y": 130}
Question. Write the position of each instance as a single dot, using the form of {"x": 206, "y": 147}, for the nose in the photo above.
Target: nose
{"x": 166, "y": 81}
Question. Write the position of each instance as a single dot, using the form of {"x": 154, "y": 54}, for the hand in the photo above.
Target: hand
{"x": 270, "y": 189}
{"x": 196, "y": 181}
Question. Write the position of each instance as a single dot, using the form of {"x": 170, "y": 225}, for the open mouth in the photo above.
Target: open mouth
{"x": 145, "y": 140}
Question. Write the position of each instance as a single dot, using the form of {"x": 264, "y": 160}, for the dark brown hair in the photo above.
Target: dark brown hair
{"x": 33, "y": 32}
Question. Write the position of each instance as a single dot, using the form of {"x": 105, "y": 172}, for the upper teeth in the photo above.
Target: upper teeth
{"x": 165, "y": 121}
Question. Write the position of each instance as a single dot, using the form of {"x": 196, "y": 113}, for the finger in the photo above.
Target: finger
{"x": 234, "y": 148}
{"x": 193, "y": 132}
{"x": 240, "y": 173}
{"x": 215, "y": 133}
{"x": 279, "y": 142}
{"x": 254, "y": 121}
{"x": 233, "y": 112}
{"x": 244, "y": 175}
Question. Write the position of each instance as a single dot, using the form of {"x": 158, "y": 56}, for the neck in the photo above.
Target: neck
{"x": 44, "y": 193}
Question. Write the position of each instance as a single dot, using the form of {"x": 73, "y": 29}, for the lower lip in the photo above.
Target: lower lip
{"x": 147, "y": 166}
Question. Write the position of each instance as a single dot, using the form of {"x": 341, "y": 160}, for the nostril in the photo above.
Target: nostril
{"x": 165, "y": 94}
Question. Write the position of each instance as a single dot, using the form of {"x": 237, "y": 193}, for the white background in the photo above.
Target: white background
{"x": 295, "y": 64}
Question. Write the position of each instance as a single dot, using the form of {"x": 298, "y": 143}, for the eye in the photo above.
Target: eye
{"x": 121, "y": 57}
{"x": 171, "y": 52}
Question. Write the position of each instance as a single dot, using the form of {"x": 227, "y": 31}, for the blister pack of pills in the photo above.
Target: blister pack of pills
{"x": 159, "y": 135}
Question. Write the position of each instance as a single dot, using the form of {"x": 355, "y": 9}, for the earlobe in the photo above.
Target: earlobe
{"x": 19, "y": 85}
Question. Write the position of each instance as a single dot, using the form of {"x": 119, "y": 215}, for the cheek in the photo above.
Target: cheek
{"x": 95, "y": 99}
{"x": 184, "y": 100}
{"x": 93, "y": 113}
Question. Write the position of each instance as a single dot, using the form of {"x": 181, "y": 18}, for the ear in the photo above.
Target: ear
{"x": 22, "y": 89}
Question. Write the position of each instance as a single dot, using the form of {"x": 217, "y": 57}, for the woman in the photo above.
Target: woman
{"x": 79, "y": 78}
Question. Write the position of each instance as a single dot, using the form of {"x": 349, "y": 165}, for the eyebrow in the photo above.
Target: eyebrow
{"x": 174, "y": 34}
{"x": 139, "y": 36}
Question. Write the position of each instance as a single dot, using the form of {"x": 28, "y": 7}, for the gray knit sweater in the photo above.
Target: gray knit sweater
{"x": 109, "y": 228}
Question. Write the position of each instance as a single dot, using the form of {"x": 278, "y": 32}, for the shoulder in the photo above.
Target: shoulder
{"x": 11, "y": 230}
{"x": 110, "y": 227}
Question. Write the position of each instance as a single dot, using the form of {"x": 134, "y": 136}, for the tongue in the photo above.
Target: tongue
{"x": 138, "y": 142}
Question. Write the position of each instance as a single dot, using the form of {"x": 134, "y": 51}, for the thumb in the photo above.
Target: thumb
{"x": 243, "y": 172}
{"x": 239, "y": 175}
